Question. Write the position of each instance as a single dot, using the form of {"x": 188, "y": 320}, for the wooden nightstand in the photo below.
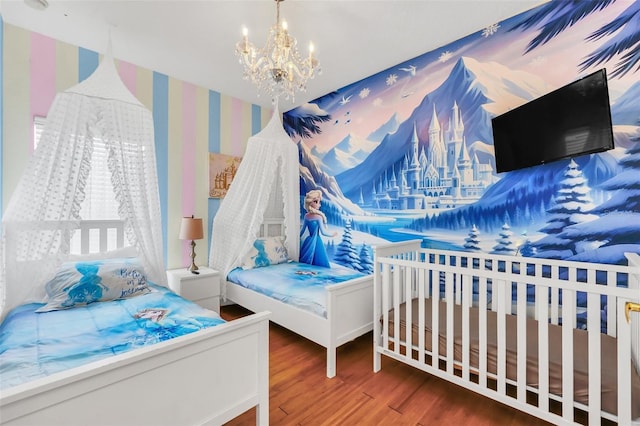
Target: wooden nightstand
{"x": 203, "y": 288}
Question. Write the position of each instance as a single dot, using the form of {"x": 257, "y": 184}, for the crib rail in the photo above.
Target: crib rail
{"x": 455, "y": 300}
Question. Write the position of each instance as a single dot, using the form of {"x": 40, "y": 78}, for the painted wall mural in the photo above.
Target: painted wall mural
{"x": 408, "y": 153}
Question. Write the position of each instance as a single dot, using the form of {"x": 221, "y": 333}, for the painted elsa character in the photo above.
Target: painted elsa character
{"x": 312, "y": 250}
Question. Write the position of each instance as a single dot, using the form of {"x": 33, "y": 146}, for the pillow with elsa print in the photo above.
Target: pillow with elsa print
{"x": 83, "y": 282}
{"x": 266, "y": 251}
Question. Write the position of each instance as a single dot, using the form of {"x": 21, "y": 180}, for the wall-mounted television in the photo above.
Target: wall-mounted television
{"x": 570, "y": 121}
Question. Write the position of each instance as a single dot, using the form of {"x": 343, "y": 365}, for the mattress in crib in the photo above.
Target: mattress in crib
{"x": 298, "y": 284}
{"x": 580, "y": 341}
{"x": 34, "y": 345}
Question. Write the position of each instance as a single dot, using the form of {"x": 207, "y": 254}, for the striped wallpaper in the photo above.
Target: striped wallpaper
{"x": 190, "y": 121}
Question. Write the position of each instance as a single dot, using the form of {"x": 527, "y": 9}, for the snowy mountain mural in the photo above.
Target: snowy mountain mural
{"x": 411, "y": 154}
{"x": 475, "y": 88}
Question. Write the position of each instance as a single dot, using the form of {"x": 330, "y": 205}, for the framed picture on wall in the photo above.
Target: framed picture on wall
{"x": 222, "y": 170}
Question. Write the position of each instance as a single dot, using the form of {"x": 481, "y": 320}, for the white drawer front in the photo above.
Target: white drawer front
{"x": 200, "y": 288}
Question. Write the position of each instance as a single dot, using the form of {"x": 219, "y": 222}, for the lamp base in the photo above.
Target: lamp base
{"x": 193, "y": 267}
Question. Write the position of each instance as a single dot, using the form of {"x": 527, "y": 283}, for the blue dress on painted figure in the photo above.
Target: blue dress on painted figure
{"x": 312, "y": 250}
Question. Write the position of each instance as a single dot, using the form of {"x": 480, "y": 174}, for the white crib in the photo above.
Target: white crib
{"x": 509, "y": 328}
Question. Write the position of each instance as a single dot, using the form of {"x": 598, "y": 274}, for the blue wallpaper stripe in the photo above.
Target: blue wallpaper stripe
{"x": 214, "y": 146}
{"x": 256, "y": 119}
{"x": 88, "y": 61}
{"x": 161, "y": 131}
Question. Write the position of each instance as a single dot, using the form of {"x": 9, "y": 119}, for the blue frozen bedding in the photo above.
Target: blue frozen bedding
{"x": 35, "y": 345}
{"x": 298, "y": 284}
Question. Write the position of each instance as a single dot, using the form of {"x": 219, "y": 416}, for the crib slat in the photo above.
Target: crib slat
{"x": 407, "y": 281}
{"x": 502, "y": 333}
{"x": 482, "y": 324}
{"x": 542, "y": 311}
{"x": 555, "y": 303}
{"x": 435, "y": 318}
{"x": 521, "y": 320}
{"x": 449, "y": 327}
{"x": 422, "y": 298}
{"x": 568, "y": 314}
{"x": 397, "y": 273}
{"x": 624, "y": 367}
{"x": 611, "y": 313}
{"x": 595, "y": 381}
{"x": 466, "y": 304}
{"x": 458, "y": 282}
{"x": 386, "y": 272}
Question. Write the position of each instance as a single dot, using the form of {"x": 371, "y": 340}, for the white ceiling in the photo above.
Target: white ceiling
{"x": 194, "y": 40}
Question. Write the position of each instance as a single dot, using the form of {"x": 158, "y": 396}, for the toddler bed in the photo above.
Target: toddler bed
{"x": 537, "y": 334}
{"x": 329, "y": 306}
{"x": 263, "y": 202}
{"x": 143, "y": 356}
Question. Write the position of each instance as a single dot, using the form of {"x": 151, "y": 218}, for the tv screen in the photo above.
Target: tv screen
{"x": 571, "y": 121}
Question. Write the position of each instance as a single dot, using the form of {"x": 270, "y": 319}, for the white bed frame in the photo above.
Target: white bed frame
{"x": 349, "y": 309}
{"x": 207, "y": 377}
{"x": 401, "y": 273}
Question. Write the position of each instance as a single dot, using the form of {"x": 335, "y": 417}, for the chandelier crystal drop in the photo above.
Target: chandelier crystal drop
{"x": 278, "y": 68}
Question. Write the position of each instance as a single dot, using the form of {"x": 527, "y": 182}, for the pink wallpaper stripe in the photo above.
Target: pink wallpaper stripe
{"x": 42, "y": 76}
{"x": 188, "y": 156}
{"x": 129, "y": 75}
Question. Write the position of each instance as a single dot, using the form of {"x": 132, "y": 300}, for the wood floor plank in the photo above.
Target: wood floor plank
{"x": 301, "y": 394}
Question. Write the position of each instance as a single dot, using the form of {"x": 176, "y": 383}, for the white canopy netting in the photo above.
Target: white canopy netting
{"x": 45, "y": 209}
{"x": 266, "y": 186}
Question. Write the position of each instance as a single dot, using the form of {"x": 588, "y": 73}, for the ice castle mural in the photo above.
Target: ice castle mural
{"x": 408, "y": 152}
{"x": 445, "y": 178}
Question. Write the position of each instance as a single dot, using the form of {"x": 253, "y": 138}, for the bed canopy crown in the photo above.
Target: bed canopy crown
{"x": 44, "y": 210}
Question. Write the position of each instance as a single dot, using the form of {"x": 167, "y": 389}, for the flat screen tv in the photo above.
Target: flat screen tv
{"x": 568, "y": 122}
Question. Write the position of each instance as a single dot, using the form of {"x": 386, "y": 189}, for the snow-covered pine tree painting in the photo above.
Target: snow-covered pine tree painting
{"x": 505, "y": 245}
{"x": 617, "y": 228}
{"x": 571, "y": 205}
{"x": 346, "y": 253}
{"x": 472, "y": 242}
{"x": 366, "y": 262}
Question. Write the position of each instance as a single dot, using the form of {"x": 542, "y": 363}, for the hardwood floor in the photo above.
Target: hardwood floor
{"x": 301, "y": 394}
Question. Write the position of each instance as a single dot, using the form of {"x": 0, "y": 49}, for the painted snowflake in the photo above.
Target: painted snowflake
{"x": 392, "y": 79}
{"x": 364, "y": 93}
{"x": 377, "y": 102}
{"x": 490, "y": 30}
{"x": 445, "y": 56}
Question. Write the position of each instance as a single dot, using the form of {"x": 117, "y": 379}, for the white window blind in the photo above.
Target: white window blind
{"x": 99, "y": 202}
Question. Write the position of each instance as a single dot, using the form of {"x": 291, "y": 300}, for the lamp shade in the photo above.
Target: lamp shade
{"x": 191, "y": 229}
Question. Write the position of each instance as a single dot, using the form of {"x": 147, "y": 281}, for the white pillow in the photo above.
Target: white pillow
{"x": 265, "y": 252}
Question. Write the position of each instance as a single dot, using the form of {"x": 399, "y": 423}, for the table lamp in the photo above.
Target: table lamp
{"x": 191, "y": 229}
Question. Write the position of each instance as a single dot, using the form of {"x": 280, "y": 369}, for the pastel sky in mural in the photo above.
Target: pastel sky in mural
{"x": 556, "y": 62}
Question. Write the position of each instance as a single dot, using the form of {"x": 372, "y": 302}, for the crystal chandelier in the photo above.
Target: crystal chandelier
{"x": 277, "y": 68}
